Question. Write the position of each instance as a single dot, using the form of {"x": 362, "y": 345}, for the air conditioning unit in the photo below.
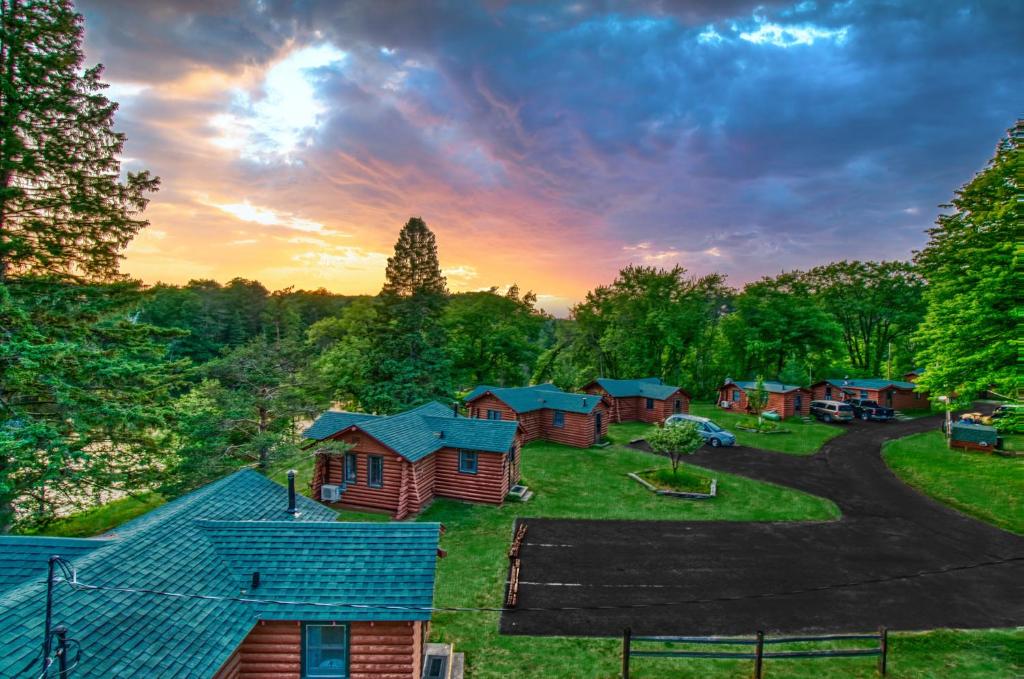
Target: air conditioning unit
{"x": 330, "y": 492}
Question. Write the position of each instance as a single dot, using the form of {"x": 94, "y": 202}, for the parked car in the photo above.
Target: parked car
{"x": 832, "y": 411}
{"x": 866, "y": 409}
{"x": 709, "y": 431}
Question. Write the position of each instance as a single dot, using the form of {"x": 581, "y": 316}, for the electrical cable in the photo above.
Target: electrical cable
{"x": 75, "y": 584}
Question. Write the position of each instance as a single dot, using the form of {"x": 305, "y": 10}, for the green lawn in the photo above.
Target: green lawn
{"x": 805, "y": 438}
{"x": 101, "y": 519}
{"x": 983, "y": 485}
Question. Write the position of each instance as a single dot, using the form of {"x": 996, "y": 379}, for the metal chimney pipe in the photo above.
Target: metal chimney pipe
{"x": 291, "y": 492}
{"x": 455, "y": 408}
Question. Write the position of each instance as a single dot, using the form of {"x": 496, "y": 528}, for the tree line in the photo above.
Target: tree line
{"x": 109, "y": 386}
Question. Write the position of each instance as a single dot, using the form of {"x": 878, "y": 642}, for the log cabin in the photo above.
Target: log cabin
{"x": 787, "y": 400}
{"x": 645, "y": 399}
{"x": 544, "y": 412}
{"x": 913, "y": 375}
{"x": 268, "y": 584}
{"x": 399, "y": 463}
{"x": 896, "y": 394}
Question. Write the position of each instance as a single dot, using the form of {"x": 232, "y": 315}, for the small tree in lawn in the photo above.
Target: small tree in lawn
{"x": 757, "y": 399}
{"x": 675, "y": 441}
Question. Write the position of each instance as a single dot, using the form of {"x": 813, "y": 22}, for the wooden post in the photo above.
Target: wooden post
{"x": 627, "y": 635}
{"x": 883, "y": 643}
{"x": 758, "y": 655}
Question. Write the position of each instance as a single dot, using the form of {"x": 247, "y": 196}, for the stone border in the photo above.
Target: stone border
{"x": 674, "y": 493}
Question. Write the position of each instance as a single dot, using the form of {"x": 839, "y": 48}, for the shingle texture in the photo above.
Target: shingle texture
{"x": 25, "y": 557}
{"x": 538, "y": 397}
{"x": 209, "y": 542}
{"x": 645, "y": 387}
{"x": 421, "y": 431}
{"x": 871, "y": 383}
{"x": 771, "y": 387}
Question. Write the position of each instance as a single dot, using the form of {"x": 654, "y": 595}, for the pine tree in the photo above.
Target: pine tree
{"x": 408, "y": 362}
{"x": 414, "y": 266}
{"x": 63, "y": 208}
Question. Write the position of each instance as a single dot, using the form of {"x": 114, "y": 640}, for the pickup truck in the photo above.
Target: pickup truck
{"x": 867, "y": 409}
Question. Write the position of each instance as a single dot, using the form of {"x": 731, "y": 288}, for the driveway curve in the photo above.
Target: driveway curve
{"x": 895, "y": 558}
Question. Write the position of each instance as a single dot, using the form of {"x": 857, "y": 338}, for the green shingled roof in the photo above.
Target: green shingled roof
{"x": 421, "y": 431}
{"x": 771, "y": 386}
{"x": 189, "y": 546}
{"x": 538, "y": 397}
{"x": 645, "y": 387}
{"x": 870, "y": 383}
{"x": 25, "y": 557}
{"x": 332, "y": 422}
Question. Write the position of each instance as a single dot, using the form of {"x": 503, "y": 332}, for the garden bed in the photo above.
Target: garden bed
{"x": 662, "y": 481}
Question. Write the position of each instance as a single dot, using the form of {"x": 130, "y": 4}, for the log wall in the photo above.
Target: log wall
{"x": 358, "y": 493}
{"x": 784, "y": 404}
{"x": 377, "y": 650}
{"x": 634, "y": 408}
{"x": 490, "y": 484}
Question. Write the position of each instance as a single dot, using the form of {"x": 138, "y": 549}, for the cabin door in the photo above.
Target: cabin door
{"x": 597, "y": 427}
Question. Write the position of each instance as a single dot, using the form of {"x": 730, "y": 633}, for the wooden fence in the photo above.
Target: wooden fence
{"x": 759, "y": 654}
{"x": 512, "y": 593}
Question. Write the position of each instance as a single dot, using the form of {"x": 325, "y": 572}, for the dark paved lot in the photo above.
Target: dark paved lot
{"x": 888, "y": 531}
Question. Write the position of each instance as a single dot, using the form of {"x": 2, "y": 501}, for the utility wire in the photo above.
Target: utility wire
{"x": 75, "y": 584}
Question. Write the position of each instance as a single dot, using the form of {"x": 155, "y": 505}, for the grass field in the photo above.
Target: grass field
{"x": 101, "y": 519}
{"x": 986, "y": 486}
{"x": 805, "y": 438}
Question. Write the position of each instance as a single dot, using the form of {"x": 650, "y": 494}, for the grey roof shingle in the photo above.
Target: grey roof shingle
{"x": 201, "y": 544}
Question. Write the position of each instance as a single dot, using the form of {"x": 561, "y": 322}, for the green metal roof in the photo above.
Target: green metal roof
{"x": 645, "y": 387}
{"x": 25, "y": 557}
{"x": 188, "y": 546}
{"x": 538, "y": 397}
{"x": 771, "y": 386}
{"x": 426, "y": 429}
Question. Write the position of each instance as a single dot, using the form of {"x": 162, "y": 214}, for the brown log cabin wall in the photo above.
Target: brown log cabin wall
{"x": 359, "y": 494}
{"x": 634, "y": 408}
{"x": 784, "y": 404}
{"x": 578, "y": 430}
{"x": 490, "y": 484}
{"x": 377, "y": 650}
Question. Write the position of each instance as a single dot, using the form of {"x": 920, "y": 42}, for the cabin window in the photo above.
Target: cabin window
{"x": 677, "y": 407}
{"x": 735, "y": 395}
{"x": 558, "y": 419}
{"x": 351, "y": 467}
{"x": 325, "y": 651}
{"x": 863, "y": 393}
{"x": 650, "y": 404}
{"x": 828, "y": 393}
{"x": 375, "y": 471}
{"x": 467, "y": 462}
{"x": 493, "y": 414}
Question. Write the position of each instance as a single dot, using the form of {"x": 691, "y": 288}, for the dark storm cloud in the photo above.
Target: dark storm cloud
{"x": 775, "y": 134}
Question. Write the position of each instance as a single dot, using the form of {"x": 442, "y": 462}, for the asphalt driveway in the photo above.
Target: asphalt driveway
{"x": 896, "y": 558}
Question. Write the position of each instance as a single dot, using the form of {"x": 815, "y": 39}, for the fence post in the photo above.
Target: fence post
{"x": 883, "y": 642}
{"x": 759, "y": 655}
{"x": 626, "y": 636}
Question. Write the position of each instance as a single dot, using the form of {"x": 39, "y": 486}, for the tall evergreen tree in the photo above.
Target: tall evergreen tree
{"x": 414, "y": 267}
{"x": 970, "y": 339}
{"x": 63, "y": 207}
{"x": 408, "y": 362}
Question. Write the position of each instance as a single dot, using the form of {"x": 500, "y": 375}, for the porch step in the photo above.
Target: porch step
{"x": 440, "y": 662}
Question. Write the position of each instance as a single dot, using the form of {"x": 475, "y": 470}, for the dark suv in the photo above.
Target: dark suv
{"x": 831, "y": 411}
{"x": 867, "y": 409}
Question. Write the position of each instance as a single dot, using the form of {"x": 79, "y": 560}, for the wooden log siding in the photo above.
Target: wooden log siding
{"x": 901, "y": 399}
{"x": 784, "y": 404}
{"x": 634, "y": 408}
{"x": 358, "y": 493}
{"x": 377, "y": 650}
{"x": 489, "y": 485}
{"x": 579, "y": 428}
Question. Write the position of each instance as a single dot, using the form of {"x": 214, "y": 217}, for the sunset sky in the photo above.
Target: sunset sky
{"x": 548, "y": 144}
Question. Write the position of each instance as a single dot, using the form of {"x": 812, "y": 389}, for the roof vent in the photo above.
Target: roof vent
{"x": 455, "y": 409}
{"x": 584, "y": 402}
{"x": 439, "y": 434}
{"x": 255, "y": 579}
